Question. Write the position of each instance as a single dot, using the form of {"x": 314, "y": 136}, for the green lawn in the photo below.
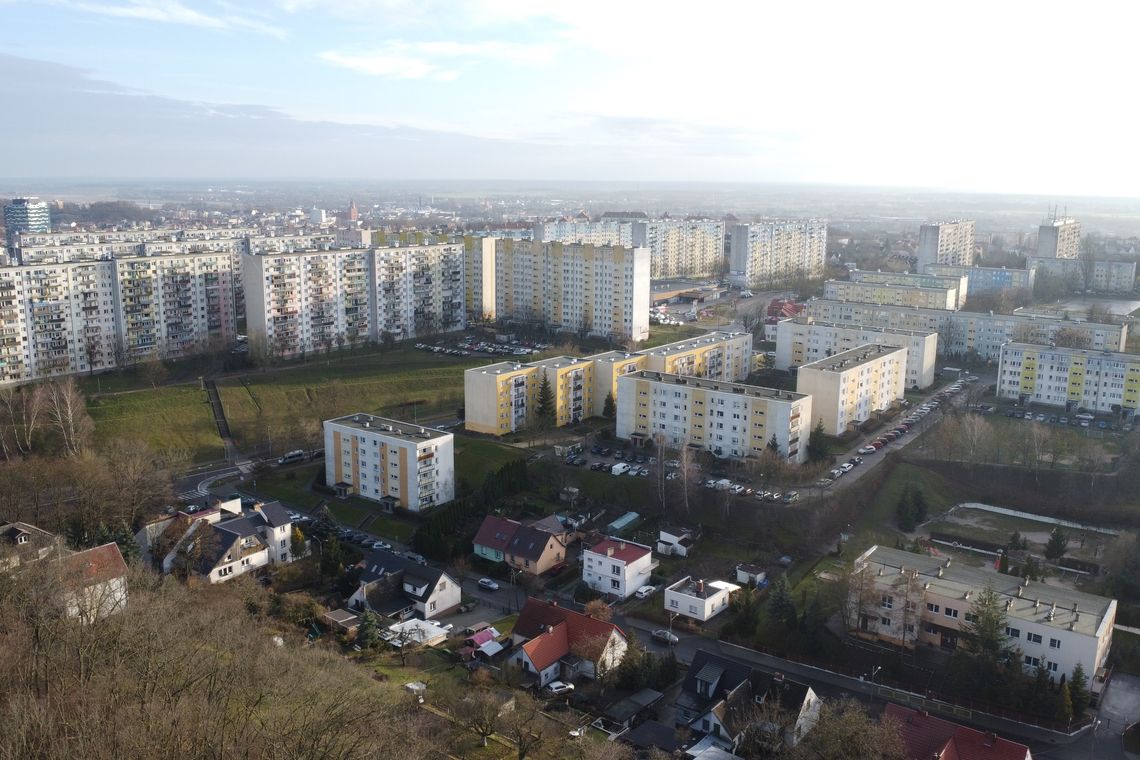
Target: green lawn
{"x": 875, "y": 524}
{"x": 291, "y": 486}
{"x": 475, "y": 457}
{"x": 285, "y": 405}
{"x": 170, "y": 417}
{"x": 351, "y": 515}
{"x": 659, "y": 335}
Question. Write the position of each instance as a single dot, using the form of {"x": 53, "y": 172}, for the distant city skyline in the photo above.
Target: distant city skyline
{"x": 1017, "y": 98}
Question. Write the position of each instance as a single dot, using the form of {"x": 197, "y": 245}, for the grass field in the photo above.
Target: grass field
{"x": 170, "y": 417}
{"x": 262, "y": 406}
{"x": 875, "y": 524}
{"x": 474, "y": 458}
{"x": 291, "y": 486}
{"x": 659, "y": 335}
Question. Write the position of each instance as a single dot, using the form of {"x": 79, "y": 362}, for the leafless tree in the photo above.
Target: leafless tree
{"x": 67, "y": 411}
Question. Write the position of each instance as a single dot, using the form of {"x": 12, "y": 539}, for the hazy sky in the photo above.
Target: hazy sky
{"x": 990, "y": 96}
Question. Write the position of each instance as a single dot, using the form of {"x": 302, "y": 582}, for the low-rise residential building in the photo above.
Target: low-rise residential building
{"x": 718, "y": 355}
{"x": 397, "y": 588}
{"x": 559, "y": 643}
{"x": 803, "y": 340}
{"x": 985, "y": 280}
{"x": 926, "y": 736}
{"x": 727, "y": 419}
{"x": 957, "y": 282}
{"x": 1102, "y": 382}
{"x": 534, "y": 550}
{"x": 22, "y": 543}
{"x": 699, "y": 599}
{"x": 617, "y": 568}
{"x": 909, "y": 296}
{"x": 675, "y": 542}
{"x": 1101, "y": 275}
{"x": 94, "y": 582}
{"x": 910, "y": 600}
{"x": 493, "y": 537}
{"x": 848, "y": 387}
{"x": 392, "y": 462}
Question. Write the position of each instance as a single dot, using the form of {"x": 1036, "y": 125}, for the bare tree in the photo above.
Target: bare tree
{"x": 479, "y": 710}
{"x": 67, "y": 411}
{"x": 24, "y": 408}
{"x": 525, "y": 725}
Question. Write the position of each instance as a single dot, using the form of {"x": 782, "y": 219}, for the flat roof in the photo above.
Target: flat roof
{"x": 559, "y": 361}
{"x": 1031, "y": 601}
{"x": 1089, "y": 352}
{"x": 500, "y": 367}
{"x": 701, "y": 589}
{"x": 389, "y": 427}
{"x": 802, "y": 320}
{"x": 753, "y": 391}
{"x": 708, "y": 339}
{"x": 865, "y": 284}
{"x": 904, "y": 276}
{"x": 852, "y": 357}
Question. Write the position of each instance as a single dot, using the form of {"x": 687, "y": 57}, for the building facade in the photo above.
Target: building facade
{"x": 1070, "y": 378}
{"x": 1059, "y": 239}
{"x": 959, "y": 282}
{"x": 389, "y": 461}
{"x": 910, "y": 600}
{"x": 727, "y": 419}
{"x": 417, "y": 290}
{"x": 909, "y": 296}
{"x": 1101, "y": 275}
{"x": 848, "y": 387}
{"x": 802, "y": 340}
{"x": 766, "y": 253}
{"x": 984, "y": 280}
{"x": 946, "y": 243}
{"x": 23, "y": 215}
{"x": 681, "y": 247}
{"x": 617, "y": 568}
{"x": 697, "y": 599}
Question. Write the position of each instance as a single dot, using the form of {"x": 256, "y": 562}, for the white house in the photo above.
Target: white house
{"x": 699, "y": 599}
{"x": 398, "y": 588}
{"x": 676, "y": 542}
{"x": 617, "y": 568}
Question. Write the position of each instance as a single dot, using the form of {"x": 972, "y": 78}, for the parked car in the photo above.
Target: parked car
{"x": 846, "y": 467}
{"x": 665, "y": 637}
{"x": 791, "y": 496}
{"x": 645, "y": 592}
{"x": 559, "y": 687}
{"x": 837, "y": 473}
{"x": 419, "y": 560}
{"x": 868, "y": 450}
{"x": 673, "y": 475}
{"x": 488, "y": 584}
{"x": 855, "y": 461}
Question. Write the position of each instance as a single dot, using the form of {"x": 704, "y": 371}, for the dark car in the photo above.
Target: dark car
{"x": 580, "y": 462}
{"x": 605, "y": 452}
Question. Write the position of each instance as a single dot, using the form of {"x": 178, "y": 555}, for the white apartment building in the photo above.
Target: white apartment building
{"x": 910, "y": 600}
{"x": 946, "y": 243}
{"x": 959, "y": 283}
{"x": 417, "y": 290}
{"x": 677, "y": 247}
{"x": 579, "y": 230}
{"x": 914, "y": 296}
{"x": 766, "y": 253}
{"x": 962, "y": 333}
{"x": 802, "y": 340}
{"x": 1102, "y": 275}
{"x": 1071, "y": 378}
{"x": 698, "y": 599}
{"x": 727, "y": 419}
{"x": 392, "y": 462}
{"x": 848, "y": 387}
{"x": 1059, "y": 239}
{"x": 617, "y": 568}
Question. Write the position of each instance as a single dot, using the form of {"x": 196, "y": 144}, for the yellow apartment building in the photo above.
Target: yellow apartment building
{"x": 847, "y": 388}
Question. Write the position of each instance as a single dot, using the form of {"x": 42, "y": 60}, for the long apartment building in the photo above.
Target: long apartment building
{"x": 395, "y": 463}
{"x": 803, "y": 340}
{"x": 849, "y": 387}
{"x": 962, "y": 333}
{"x": 946, "y": 243}
{"x": 1103, "y": 275}
{"x": 915, "y": 600}
{"x": 910, "y": 296}
{"x": 598, "y": 290}
{"x": 501, "y": 398}
{"x": 677, "y": 247}
{"x": 766, "y": 253}
{"x": 1070, "y": 378}
{"x": 959, "y": 283}
{"x": 1059, "y": 239}
{"x": 418, "y": 290}
{"x": 984, "y": 280}
{"x": 727, "y": 419}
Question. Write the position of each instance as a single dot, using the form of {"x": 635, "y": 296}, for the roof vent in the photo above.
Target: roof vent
{"x": 1019, "y": 590}
{"x": 940, "y": 572}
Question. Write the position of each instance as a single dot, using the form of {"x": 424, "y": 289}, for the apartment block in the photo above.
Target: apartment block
{"x": 25, "y": 215}
{"x": 727, "y": 419}
{"x": 910, "y": 600}
{"x": 479, "y": 277}
{"x": 946, "y": 243}
{"x": 15, "y": 351}
{"x": 1070, "y": 378}
{"x": 395, "y": 463}
{"x": 1102, "y": 275}
{"x": 596, "y": 290}
{"x": 959, "y": 283}
{"x": 911, "y": 296}
{"x": 580, "y": 230}
{"x": 849, "y": 387}
{"x": 985, "y": 280}
{"x": 677, "y": 247}
{"x": 417, "y": 290}
{"x": 1059, "y": 239}
{"x": 720, "y": 355}
{"x": 766, "y": 253}
{"x": 962, "y": 333}
{"x": 803, "y": 340}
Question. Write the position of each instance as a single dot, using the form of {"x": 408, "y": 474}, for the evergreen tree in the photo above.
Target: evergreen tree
{"x": 368, "y": 634}
{"x": 984, "y": 633}
{"x": 1057, "y": 545}
{"x": 545, "y": 405}
{"x": 773, "y": 444}
{"x": 1079, "y": 690}
{"x": 782, "y": 604}
{"x": 1064, "y": 704}
{"x": 918, "y": 505}
{"x": 609, "y": 408}
{"x": 816, "y": 446}
{"x": 904, "y": 510}
{"x": 332, "y": 557}
{"x": 297, "y": 543}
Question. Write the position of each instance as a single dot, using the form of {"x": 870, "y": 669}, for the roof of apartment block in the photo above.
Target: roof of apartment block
{"x": 890, "y": 285}
{"x": 389, "y": 427}
{"x": 1032, "y": 601}
{"x": 852, "y": 357}
{"x": 500, "y": 367}
{"x": 557, "y": 362}
{"x": 1018, "y": 315}
{"x": 754, "y": 391}
{"x": 801, "y": 320}
{"x": 680, "y": 346}
{"x": 1089, "y": 352}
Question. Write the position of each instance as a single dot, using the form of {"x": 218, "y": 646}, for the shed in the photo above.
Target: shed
{"x": 342, "y": 620}
{"x": 753, "y": 575}
{"x": 626, "y": 521}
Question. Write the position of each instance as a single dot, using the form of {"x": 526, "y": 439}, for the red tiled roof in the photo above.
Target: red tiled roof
{"x": 623, "y": 550}
{"x": 548, "y": 647}
{"x": 496, "y": 532}
{"x": 537, "y": 616}
{"x": 925, "y": 737}
{"x": 92, "y": 566}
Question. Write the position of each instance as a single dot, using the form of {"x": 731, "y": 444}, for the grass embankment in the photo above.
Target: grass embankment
{"x": 659, "y": 335}
{"x": 171, "y": 417}
{"x": 876, "y": 523}
{"x": 475, "y": 458}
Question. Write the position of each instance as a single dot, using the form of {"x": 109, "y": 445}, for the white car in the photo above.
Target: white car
{"x": 559, "y": 687}
{"x": 488, "y": 584}
{"x": 644, "y": 592}
{"x": 847, "y": 467}
{"x": 868, "y": 450}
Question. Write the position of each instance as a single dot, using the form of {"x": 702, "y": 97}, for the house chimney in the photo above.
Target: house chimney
{"x": 991, "y": 738}
{"x": 622, "y": 546}
{"x": 700, "y": 587}
{"x": 778, "y": 677}
{"x": 609, "y": 551}
{"x": 550, "y": 629}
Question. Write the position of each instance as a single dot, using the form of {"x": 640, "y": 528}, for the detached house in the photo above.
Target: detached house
{"x": 926, "y": 737}
{"x": 561, "y": 644}
{"x": 21, "y": 543}
{"x": 493, "y": 536}
{"x": 534, "y": 551}
{"x": 617, "y": 568}
{"x": 396, "y": 588}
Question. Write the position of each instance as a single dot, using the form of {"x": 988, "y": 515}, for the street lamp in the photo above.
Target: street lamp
{"x": 515, "y": 589}
{"x": 871, "y": 678}
{"x": 672, "y": 617}
{"x": 1092, "y": 742}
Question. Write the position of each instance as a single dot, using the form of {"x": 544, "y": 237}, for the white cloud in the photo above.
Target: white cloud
{"x": 438, "y": 60}
{"x": 173, "y": 12}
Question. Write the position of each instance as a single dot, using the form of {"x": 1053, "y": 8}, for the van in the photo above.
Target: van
{"x": 621, "y": 468}
{"x": 291, "y": 457}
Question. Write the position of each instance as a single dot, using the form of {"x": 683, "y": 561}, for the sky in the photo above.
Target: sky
{"x": 1009, "y": 97}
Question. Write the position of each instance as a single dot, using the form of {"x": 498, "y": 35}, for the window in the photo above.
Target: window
{"x": 431, "y": 607}
{"x": 951, "y": 612}
{"x": 1013, "y": 633}
{"x": 1032, "y": 661}
{"x": 932, "y": 630}
{"x": 971, "y": 617}
{"x": 1033, "y": 638}
{"x": 615, "y": 583}
{"x": 692, "y": 609}
{"x": 885, "y": 622}
{"x": 931, "y": 607}
{"x": 888, "y": 602}
{"x": 1054, "y": 643}
{"x": 673, "y": 603}
{"x": 616, "y": 569}
{"x": 910, "y": 628}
